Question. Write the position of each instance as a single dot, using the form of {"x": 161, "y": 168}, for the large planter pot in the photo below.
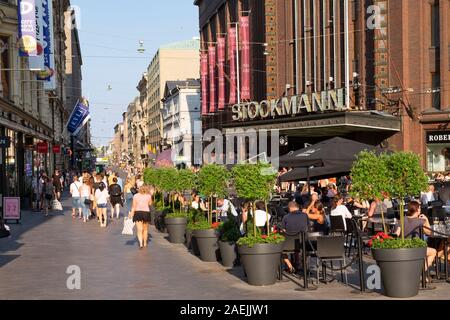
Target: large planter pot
{"x": 152, "y": 217}
{"x": 194, "y": 245}
{"x": 400, "y": 270}
{"x": 261, "y": 263}
{"x": 188, "y": 239}
{"x": 207, "y": 241}
{"x": 228, "y": 253}
{"x": 176, "y": 227}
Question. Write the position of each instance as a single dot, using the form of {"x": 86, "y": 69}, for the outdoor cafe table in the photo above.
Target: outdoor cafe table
{"x": 444, "y": 238}
{"x": 390, "y": 222}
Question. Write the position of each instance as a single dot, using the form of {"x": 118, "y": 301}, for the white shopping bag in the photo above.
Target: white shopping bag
{"x": 128, "y": 226}
{"x": 57, "y": 206}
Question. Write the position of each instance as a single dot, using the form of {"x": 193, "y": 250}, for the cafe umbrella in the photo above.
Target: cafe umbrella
{"x": 327, "y": 158}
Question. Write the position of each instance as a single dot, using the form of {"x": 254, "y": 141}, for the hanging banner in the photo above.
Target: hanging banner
{"x": 80, "y": 116}
{"x": 204, "y": 79}
{"x": 232, "y": 57}
{"x": 245, "y": 36}
{"x": 37, "y": 62}
{"x": 48, "y": 74}
{"x": 221, "y": 72}
{"x": 27, "y": 28}
{"x": 212, "y": 79}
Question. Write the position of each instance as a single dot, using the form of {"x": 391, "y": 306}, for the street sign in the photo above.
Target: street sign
{"x": 57, "y": 149}
{"x": 5, "y": 142}
{"x": 42, "y": 147}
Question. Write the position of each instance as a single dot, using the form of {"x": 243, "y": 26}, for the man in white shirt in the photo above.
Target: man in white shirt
{"x": 429, "y": 196}
{"x": 76, "y": 196}
{"x": 340, "y": 210}
{"x": 223, "y": 205}
{"x": 261, "y": 215}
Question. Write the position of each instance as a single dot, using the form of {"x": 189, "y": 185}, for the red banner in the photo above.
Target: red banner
{"x": 212, "y": 79}
{"x": 221, "y": 65}
{"x": 232, "y": 57}
{"x": 245, "y": 38}
{"x": 204, "y": 79}
{"x": 42, "y": 147}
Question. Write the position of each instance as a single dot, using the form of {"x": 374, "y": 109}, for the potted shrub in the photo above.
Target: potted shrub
{"x": 229, "y": 234}
{"x": 260, "y": 254}
{"x": 152, "y": 178}
{"x": 212, "y": 182}
{"x": 400, "y": 260}
{"x": 370, "y": 178}
{"x": 194, "y": 216}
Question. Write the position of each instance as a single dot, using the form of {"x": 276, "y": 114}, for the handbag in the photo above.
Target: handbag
{"x": 128, "y": 226}
{"x": 57, "y": 206}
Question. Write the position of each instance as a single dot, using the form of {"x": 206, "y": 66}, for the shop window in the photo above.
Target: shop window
{"x": 438, "y": 158}
{"x": 4, "y": 64}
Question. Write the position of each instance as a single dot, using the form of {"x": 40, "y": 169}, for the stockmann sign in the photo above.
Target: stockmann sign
{"x": 331, "y": 100}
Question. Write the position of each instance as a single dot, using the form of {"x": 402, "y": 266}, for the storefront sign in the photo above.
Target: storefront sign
{"x": 11, "y": 209}
{"x": 438, "y": 137}
{"x": 57, "y": 149}
{"x": 5, "y": 142}
{"x": 42, "y": 147}
{"x": 331, "y": 100}
{"x": 27, "y": 28}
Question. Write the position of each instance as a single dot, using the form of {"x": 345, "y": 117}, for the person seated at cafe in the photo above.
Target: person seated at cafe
{"x": 260, "y": 215}
{"x": 293, "y": 224}
{"x": 377, "y": 207}
{"x": 430, "y": 196}
{"x": 339, "y": 209}
{"x": 316, "y": 214}
{"x": 332, "y": 190}
{"x": 414, "y": 221}
{"x": 357, "y": 206}
{"x": 223, "y": 205}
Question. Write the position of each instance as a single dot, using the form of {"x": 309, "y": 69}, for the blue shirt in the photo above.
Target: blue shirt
{"x": 120, "y": 182}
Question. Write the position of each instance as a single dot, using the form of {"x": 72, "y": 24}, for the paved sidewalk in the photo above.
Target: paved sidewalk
{"x": 34, "y": 261}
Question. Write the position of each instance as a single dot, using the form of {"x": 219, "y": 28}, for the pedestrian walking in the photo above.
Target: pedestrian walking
{"x": 86, "y": 201}
{"x": 37, "y": 185}
{"x": 115, "y": 198}
{"x": 50, "y": 194}
{"x": 75, "y": 191}
{"x": 101, "y": 197}
{"x": 142, "y": 203}
{"x": 128, "y": 195}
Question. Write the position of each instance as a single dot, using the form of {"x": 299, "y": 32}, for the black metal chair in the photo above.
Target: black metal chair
{"x": 337, "y": 225}
{"x": 330, "y": 249}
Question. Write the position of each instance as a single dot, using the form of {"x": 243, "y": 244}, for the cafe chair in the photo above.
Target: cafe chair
{"x": 439, "y": 212}
{"x": 330, "y": 249}
{"x": 337, "y": 225}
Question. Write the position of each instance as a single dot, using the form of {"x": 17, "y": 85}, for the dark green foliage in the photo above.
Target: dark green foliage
{"x": 398, "y": 243}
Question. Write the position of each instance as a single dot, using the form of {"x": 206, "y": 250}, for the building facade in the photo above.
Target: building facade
{"x": 182, "y": 120}
{"x": 372, "y": 71}
{"x": 176, "y": 61}
{"x": 32, "y": 117}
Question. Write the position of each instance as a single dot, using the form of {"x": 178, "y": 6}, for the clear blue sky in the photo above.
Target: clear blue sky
{"x": 113, "y": 29}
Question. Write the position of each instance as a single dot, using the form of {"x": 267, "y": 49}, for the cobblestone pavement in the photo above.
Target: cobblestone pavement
{"x": 34, "y": 261}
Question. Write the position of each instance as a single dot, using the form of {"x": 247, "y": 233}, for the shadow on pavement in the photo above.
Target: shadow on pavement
{"x": 5, "y": 259}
